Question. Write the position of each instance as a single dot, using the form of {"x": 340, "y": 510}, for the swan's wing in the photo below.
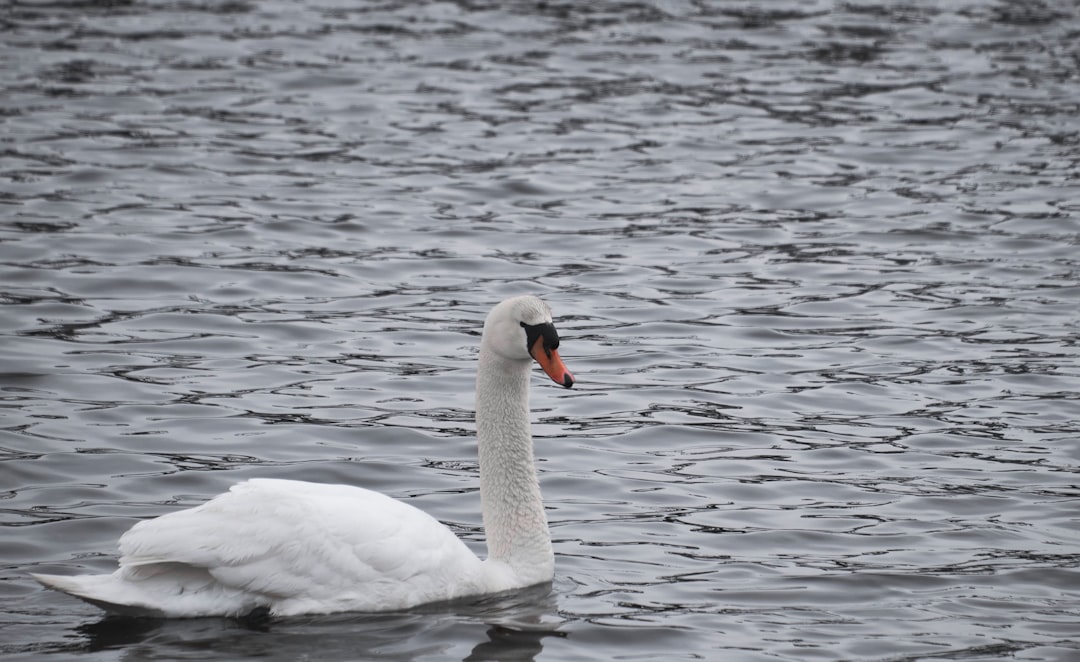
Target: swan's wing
{"x": 307, "y": 547}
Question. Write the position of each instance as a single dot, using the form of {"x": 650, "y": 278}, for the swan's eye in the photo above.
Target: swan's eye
{"x": 545, "y": 330}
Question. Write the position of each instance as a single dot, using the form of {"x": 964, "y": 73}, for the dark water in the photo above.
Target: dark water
{"x": 816, "y": 266}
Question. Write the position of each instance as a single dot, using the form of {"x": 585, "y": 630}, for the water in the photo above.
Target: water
{"x": 815, "y": 265}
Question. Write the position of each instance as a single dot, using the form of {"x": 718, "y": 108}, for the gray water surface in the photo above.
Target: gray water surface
{"x": 816, "y": 266}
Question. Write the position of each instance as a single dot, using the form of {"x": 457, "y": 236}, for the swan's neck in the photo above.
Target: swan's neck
{"x": 514, "y": 519}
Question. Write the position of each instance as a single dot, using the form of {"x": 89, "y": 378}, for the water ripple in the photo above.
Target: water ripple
{"x": 814, "y": 265}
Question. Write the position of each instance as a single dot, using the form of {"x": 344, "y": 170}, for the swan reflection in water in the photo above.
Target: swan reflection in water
{"x": 508, "y": 627}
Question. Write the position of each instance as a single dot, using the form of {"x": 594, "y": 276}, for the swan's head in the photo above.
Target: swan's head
{"x": 521, "y": 329}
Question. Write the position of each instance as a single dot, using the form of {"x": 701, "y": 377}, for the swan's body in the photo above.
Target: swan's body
{"x": 294, "y": 547}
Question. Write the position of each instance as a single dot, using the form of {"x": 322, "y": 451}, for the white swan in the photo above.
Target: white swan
{"x": 294, "y": 547}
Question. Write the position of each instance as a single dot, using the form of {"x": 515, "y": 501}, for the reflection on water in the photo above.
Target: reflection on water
{"x": 500, "y": 628}
{"x": 815, "y": 265}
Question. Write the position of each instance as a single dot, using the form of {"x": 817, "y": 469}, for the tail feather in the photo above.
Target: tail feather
{"x": 157, "y": 590}
{"x": 103, "y": 591}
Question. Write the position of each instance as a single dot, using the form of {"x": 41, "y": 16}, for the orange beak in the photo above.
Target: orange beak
{"x": 551, "y": 363}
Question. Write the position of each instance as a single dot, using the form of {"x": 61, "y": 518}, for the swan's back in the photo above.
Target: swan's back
{"x": 290, "y": 546}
